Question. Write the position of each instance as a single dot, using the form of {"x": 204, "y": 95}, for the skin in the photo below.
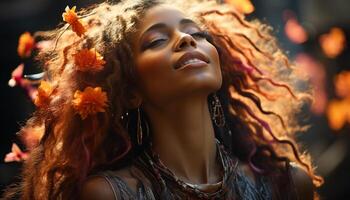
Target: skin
{"x": 175, "y": 100}
{"x": 176, "y": 104}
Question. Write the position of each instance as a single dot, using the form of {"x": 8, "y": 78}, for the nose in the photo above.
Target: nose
{"x": 185, "y": 41}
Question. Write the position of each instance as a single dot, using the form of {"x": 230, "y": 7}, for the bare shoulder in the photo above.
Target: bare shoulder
{"x": 96, "y": 188}
{"x": 302, "y": 182}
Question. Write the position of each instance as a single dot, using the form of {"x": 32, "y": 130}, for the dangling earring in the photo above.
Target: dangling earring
{"x": 124, "y": 116}
{"x": 218, "y": 112}
{"x": 139, "y": 127}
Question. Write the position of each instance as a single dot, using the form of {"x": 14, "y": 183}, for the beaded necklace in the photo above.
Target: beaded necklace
{"x": 152, "y": 165}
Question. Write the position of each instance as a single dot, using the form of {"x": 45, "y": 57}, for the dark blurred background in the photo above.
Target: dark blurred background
{"x": 314, "y": 33}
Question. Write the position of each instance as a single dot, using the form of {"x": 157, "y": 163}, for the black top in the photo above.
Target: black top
{"x": 156, "y": 182}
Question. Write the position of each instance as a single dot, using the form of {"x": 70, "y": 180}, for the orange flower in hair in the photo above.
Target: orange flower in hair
{"x": 25, "y": 45}
{"x": 71, "y": 17}
{"x": 43, "y": 96}
{"x": 88, "y": 60}
{"x": 90, "y": 101}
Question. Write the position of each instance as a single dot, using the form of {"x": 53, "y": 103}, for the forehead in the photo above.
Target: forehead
{"x": 160, "y": 14}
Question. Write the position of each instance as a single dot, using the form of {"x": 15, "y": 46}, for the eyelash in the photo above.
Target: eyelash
{"x": 201, "y": 34}
{"x": 154, "y": 43}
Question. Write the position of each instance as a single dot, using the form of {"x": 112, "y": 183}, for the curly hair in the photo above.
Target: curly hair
{"x": 259, "y": 87}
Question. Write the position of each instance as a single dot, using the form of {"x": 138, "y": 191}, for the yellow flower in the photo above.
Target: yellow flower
{"x": 71, "y": 17}
{"x": 43, "y": 96}
{"x": 25, "y": 45}
{"x": 90, "y": 101}
{"x": 88, "y": 60}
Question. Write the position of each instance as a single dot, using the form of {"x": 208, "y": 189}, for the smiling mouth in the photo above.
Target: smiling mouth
{"x": 192, "y": 59}
{"x": 193, "y": 63}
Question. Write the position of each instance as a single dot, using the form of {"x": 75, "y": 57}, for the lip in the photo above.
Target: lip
{"x": 203, "y": 60}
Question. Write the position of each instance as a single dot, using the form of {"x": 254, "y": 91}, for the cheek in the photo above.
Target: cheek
{"x": 213, "y": 54}
{"x": 154, "y": 70}
{"x": 150, "y": 63}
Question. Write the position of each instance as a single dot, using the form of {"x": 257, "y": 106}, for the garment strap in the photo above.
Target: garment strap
{"x": 144, "y": 186}
{"x": 120, "y": 189}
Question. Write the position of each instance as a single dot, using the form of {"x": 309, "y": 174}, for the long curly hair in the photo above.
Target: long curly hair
{"x": 260, "y": 87}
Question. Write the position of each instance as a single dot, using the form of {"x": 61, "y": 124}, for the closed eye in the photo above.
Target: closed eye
{"x": 154, "y": 43}
{"x": 202, "y": 34}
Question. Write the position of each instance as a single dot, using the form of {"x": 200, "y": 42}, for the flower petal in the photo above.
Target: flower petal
{"x": 90, "y": 101}
{"x": 88, "y": 60}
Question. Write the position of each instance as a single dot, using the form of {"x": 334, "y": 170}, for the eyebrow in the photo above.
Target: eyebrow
{"x": 163, "y": 25}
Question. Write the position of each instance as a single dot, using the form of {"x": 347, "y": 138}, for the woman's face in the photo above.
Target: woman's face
{"x": 174, "y": 60}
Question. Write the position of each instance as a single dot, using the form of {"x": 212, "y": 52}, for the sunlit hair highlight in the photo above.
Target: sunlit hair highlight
{"x": 260, "y": 87}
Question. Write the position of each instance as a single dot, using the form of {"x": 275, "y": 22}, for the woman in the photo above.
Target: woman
{"x": 166, "y": 100}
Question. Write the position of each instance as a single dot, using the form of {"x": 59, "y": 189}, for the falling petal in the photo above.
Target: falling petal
{"x": 16, "y": 154}
{"x": 11, "y": 157}
{"x": 337, "y": 114}
{"x": 342, "y": 84}
{"x": 243, "y": 6}
{"x": 333, "y": 43}
{"x": 25, "y": 45}
{"x": 295, "y": 32}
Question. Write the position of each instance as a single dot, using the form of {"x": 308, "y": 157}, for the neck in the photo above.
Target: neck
{"x": 184, "y": 138}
